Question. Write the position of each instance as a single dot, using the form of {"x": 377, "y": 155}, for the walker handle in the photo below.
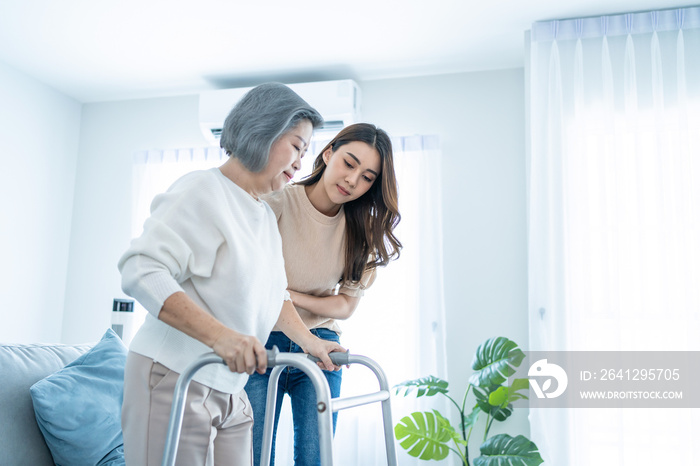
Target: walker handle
{"x": 337, "y": 357}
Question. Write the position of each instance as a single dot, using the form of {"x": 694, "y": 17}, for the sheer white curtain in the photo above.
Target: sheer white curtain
{"x": 153, "y": 172}
{"x": 400, "y": 320}
{"x": 614, "y": 217}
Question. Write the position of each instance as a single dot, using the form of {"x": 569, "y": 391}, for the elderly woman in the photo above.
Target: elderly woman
{"x": 208, "y": 268}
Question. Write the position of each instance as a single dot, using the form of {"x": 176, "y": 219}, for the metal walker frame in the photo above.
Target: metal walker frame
{"x": 325, "y": 405}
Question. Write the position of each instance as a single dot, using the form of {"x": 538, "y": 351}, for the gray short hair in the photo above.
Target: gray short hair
{"x": 263, "y": 115}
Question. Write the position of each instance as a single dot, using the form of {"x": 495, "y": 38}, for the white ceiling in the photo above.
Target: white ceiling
{"x": 95, "y": 50}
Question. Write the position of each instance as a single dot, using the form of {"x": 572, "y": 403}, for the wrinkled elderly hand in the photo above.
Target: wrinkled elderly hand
{"x": 242, "y": 353}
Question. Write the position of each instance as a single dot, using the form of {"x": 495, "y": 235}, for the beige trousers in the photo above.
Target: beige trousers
{"x": 216, "y": 427}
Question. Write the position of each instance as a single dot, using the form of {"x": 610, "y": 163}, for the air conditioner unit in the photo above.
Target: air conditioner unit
{"x": 337, "y": 101}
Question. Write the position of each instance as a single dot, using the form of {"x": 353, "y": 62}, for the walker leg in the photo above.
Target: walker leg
{"x": 323, "y": 404}
{"x": 269, "y": 425}
{"x": 386, "y": 411}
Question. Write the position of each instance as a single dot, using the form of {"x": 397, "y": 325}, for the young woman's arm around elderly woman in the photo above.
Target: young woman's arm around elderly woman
{"x": 208, "y": 268}
{"x": 337, "y": 228}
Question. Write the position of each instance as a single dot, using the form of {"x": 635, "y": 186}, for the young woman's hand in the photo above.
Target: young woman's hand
{"x": 320, "y": 348}
{"x": 339, "y": 306}
{"x": 242, "y": 353}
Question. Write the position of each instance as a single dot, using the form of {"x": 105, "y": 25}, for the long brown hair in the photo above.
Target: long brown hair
{"x": 370, "y": 219}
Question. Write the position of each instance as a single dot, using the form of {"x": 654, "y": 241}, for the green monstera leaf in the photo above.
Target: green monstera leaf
{"x": 504, "y": 450}
{"x": 424, "y": 436}
{"x": 444, "y": 424}
{"x": 507, "y": 394}
{"x": 494, "y": 361}
{"x": 483, "y": 395}
{"x": 469, "y": 420}
{"x": 427, "y": 386}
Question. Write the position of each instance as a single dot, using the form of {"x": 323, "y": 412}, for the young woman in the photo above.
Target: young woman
{"x": 208, "y": 268}
{"x": 337, "y": 228}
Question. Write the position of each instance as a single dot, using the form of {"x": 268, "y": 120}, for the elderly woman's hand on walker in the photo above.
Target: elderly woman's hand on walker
{"x": 242, "y": 353}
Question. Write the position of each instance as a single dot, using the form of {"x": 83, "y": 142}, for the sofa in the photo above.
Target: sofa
{"x": 61, "y": 400}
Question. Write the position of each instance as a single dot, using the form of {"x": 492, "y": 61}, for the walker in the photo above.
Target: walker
{"x": 326, "y": 405}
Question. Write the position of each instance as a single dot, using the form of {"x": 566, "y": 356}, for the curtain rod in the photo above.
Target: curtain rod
{"x": 616, "y": 25}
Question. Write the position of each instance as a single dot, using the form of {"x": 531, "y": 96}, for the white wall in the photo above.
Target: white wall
{"x": 111, "y": 134}
{"x": 39, "y": 130}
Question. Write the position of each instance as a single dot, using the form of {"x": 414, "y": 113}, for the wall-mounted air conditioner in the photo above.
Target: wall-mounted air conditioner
{"x": 337, "y": 101}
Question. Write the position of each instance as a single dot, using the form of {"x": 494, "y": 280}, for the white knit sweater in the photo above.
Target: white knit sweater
{"x": 207, "y": 237}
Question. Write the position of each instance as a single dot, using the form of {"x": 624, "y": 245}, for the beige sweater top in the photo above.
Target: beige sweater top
{"x": 313, "y": 246}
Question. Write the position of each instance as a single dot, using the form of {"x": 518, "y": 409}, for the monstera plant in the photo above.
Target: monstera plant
{"x": 430, "y": 436}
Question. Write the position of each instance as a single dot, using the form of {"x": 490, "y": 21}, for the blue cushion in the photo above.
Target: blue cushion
{"x": 78, "y": 408}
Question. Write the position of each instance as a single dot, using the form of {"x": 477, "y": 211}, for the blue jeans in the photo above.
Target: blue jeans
{"x": 303, "y": 396}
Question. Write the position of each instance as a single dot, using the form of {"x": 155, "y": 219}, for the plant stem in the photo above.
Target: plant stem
{"x": 465, "y": 457}
{"x": 464, "y": 435}
{"x": 464, "y": 401}
{"x": 488, "y": 425}
{"x": 466, "y": 447}
{"x": 465, "y": 461}
{"x": 461, "y": 411}
{"x": 464, "y": 432}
